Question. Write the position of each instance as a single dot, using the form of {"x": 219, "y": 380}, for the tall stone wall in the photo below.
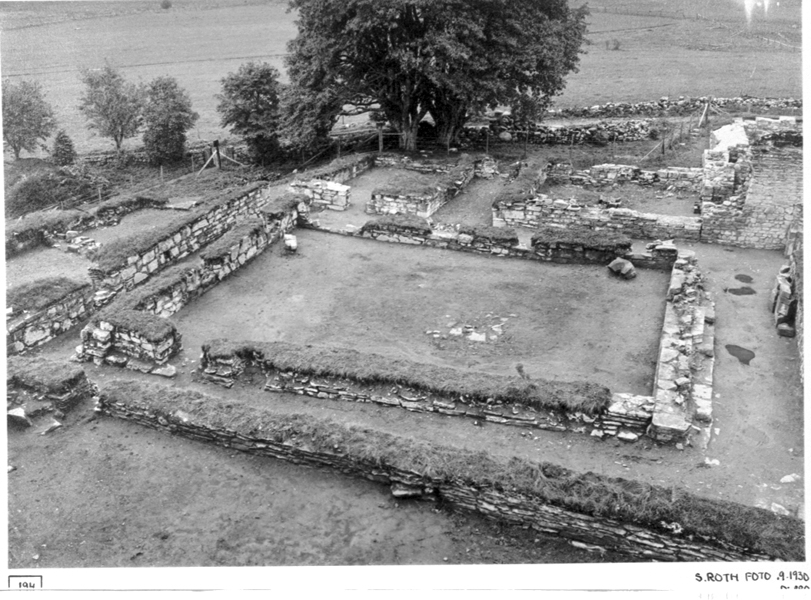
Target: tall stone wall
{"x": 752, "y": 194}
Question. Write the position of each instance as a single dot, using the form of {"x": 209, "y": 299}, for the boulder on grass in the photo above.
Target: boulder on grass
{"x": 622, "y": 268}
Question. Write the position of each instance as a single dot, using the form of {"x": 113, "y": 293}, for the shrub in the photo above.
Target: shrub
{"x": 166, "y": 4}
{"x": 45, "y": 190}
{"x": 63, "y": 151}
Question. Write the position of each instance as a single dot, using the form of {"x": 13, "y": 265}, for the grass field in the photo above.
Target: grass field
{"x": 663, "y": 49}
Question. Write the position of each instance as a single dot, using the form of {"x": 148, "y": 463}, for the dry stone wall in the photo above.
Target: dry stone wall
{"x": 25, "y": 331}
{"x": 543, "y": 211}
{"x": 135, "y": 326}
{"x": 610, "y": 174}
{"x": 667, "y": 543}
{"x": 679, "y": 106}
{"x": 752, "y": 194}
{"x": 176, "y": 245}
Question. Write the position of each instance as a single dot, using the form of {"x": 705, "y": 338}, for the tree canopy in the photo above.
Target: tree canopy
{"x": 249, "y": 105}
{"x": 443, "y": 58}
{"x": 27, "y": 117}
{"x": 168, "y": 115}
{"x": 112, "y": 105}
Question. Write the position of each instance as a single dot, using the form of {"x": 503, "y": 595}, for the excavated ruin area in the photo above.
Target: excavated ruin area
{"x": 562, "y": 322}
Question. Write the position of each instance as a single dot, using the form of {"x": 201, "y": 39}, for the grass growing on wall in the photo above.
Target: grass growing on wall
{"x": 41, "y": 293}
{"x": 525, "y": 184}
{"x": 114, "y": 255}
{"x": 650, "y": 506}
{"x": 398, "y": 223}
{"x": 43, "y": 374}
{"x": 222, "y": 247}
{"x": 577, "y": 396}
{"x": 498, "y": 235}
{"x": 590, "y": 240}
{"x": 409, "y": 183}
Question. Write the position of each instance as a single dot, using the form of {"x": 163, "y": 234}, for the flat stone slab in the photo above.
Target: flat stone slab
{"x": 183, "y": 202}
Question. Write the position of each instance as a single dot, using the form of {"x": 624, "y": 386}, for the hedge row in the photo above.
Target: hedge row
{"x": 368, "y": 368}
{"x": 588, "y": 239}
{"x": 41, "y": 293}
{"x": 651, "y": 506}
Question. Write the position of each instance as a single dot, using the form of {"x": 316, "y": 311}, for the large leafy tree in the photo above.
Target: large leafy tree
{"x": 27, "y": 117}
{"x": 443, "y": 58}
{"x": 249, "y": 105}
{"x": 168, "y": 115}
{"x": 112, "y": 105}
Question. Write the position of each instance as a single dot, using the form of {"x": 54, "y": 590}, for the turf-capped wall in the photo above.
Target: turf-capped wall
{"x": 643, "y": 520}
{"x": 134, "y": 259}
{"x": 135, "y": 324}
{"x": 45, "y": 309}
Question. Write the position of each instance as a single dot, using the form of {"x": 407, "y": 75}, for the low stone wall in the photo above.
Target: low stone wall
{"x": 679, "y": 106}
{"x": 423, "y": 200}
{"x": 135, "y": 326}
{"x": 682, "y": 388}
{"x": 658, "y": 256}
{"x": 25, "y": 330}
{"x": 478, "y": 490}
{"x": 47, "y": 228}
{"x": 341, "y": 169}
{"x": 543, "y": 211}
{"x": 329, "y": 194}
{"x": 609, "y": 174}
{"x": 37, "y": 386}
{"x": 593, "y": 133}
{"x": 181, "y": 240}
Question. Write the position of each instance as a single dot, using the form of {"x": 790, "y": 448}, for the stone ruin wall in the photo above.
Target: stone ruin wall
{"x": 105, "y": 341}
{"x": 29, "y": 330}
{"x": 587, "y": 531}
{"x": 543, "y": 211}
{"x": 176, "y": 246}
{"x": 753, "y": 191}
{"x": 421, "y": 204}
{"x": 325, "y": 186}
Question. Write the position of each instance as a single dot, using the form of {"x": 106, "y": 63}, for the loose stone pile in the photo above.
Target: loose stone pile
{"x": 783, "y": 303}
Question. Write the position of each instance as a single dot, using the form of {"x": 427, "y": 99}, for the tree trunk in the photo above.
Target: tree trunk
{"x": 408, "y": 137}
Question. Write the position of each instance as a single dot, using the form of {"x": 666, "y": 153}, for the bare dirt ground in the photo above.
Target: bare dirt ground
{"x": 105, "y": 493}
{"x": 562, "y": 322}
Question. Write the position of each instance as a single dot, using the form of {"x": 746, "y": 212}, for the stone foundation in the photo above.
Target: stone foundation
{"x": 25, "y": 331}
{"x": 667, "y": 541}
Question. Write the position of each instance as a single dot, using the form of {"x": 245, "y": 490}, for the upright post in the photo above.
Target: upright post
{"x": 379, "y": 138}
{"x": 217, "y": 151}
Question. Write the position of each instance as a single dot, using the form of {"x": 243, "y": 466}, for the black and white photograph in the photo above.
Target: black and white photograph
{"x": 404, "y": 295}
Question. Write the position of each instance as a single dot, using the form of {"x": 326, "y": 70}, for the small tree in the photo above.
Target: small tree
{"x": 63, "y": 151}
{"x": 168, "y": 116}
{"x": 249, "y": 104}
{"x": 27, "y": 117}
{"x": 112, "y": 105}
